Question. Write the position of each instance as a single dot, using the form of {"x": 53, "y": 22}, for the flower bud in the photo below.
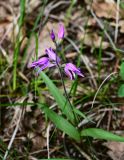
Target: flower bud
{"x": 61, "y": 31}
{"x": 52, "y": 35}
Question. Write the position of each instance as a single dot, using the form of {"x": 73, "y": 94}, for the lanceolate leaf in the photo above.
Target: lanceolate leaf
{"x": 121, "y": 91}
{"x": 61, "y": 123}
{"x": 101, "y": 134}
{"x": 60, "y": 99}
{"x": 122, "y": 70}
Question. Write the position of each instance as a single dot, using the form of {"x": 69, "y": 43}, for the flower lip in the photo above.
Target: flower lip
{"x": 42, "y": 64}
{"x": 71, "y": 70}
{"x": 39, "y": 62}
{"x": 52, "y": 55}
{"x": 61, "y": 31}
{"x": 51, "y": 59}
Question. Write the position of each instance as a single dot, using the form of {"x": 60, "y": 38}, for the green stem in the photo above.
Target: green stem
{"x": 63, "y": 84}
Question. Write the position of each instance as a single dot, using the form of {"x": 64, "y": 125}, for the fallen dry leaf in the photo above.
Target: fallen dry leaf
{"x": 38, "y": 141}
{"x": 91, "y": 22}
{"x": 93, "y": 40}
{"x": 109, "y": 1}
{"x": 71, "y": 55}
{"x": 120, "y": 25}
{"x": 116, "y": 151}
{"x": 106, "y": 9}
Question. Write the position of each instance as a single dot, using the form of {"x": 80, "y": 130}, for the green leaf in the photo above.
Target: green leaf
{"x": 121, "y": 91}
{"x": 22, "y": 12}
{"x": 63, "y": 104}
{"x": 122, "y": 70}
{"x": 101, "y": 134}
{"x": 61, "y": 123}
{"x": 122, "y": 5}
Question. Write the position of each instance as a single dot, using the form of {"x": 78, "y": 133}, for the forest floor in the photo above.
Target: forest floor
{"x": 94, "y": 41}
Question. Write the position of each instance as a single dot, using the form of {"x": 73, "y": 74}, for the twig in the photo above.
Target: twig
{"x": 117, "y": 20}
{"x": 6, "y": 33}
{"x": 100, "y": 118}
{"x": 109, "y": 119}
{"x": 65, "y": 147}
{"x": 81, "y": 151}
{"x": 101, "y": 86}
{"x": 51, "y": 6}
{"x": 14, "y": 134}
{"x": 48, "y": 149}
{"x": 87, "y": 120}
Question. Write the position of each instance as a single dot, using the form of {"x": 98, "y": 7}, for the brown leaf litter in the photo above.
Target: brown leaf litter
{"x": 116, "y": 150}
{"x": 106, "y": 9}
{"x": 93, "y": 40}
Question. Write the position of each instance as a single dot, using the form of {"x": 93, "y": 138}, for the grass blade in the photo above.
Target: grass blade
{"x": 61, "y": 123}
{"x": 101, "y": 134}
{"x": 60, "y": 99}
{"x": 17, "y": 45}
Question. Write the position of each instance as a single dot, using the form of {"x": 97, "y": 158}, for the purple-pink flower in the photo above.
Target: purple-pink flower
{"x": 61, "y": 31}
{"x": 51, "y": 59}
{"x": 52, "y": 55}
{"x": 41, "y": 64}
{"x": 71, "y": 70}
{"x": 47, "y": 61}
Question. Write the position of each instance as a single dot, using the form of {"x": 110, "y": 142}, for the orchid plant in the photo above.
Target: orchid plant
{"x": 51, "y": 59}
{"x": 68, "y": 125}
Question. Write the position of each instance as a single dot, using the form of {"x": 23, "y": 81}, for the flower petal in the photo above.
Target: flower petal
{"x": 72, "y": 70}
{"x": 80, "y": 74}
{"x": 41, "y": 61}
{"x": 52, "y": 55}
{"x": 68, "y": 73}
{"x": 61, "y": 31}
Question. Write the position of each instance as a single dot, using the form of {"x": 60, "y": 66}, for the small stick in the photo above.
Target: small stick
{"x": 48, "y": 149}
{"x": 117, "y": 21}
{"x": 82, "y": 152}
{"x": 101, "y": 87}
{"x": 13, "y": 136}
